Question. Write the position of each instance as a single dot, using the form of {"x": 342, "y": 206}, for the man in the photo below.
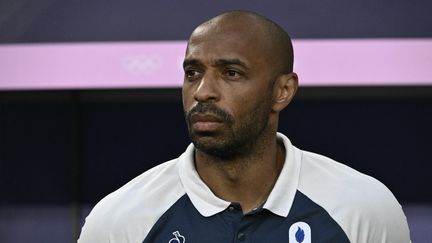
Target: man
{"x": 241, "y": 181}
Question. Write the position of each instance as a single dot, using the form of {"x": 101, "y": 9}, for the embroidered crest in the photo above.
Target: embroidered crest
{"x": 300, "y": 232}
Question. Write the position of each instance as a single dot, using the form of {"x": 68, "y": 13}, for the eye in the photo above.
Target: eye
{"x": 233, "y": 74}
{"x": 192, "y": 74}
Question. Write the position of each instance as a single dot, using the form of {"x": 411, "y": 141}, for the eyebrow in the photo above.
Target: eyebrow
{"x": 226, "y": 62}
{"x": 219, "y": 62}
{"x": 191, "y": 62}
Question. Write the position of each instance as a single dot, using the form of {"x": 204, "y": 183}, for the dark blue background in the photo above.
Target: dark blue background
{"x": 134, "y": 20}
{"x": 59, "y": 147}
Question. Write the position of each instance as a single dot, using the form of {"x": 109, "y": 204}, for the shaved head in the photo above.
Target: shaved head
{"x": 274, "y": 41}
{"x": 238, "y": 70}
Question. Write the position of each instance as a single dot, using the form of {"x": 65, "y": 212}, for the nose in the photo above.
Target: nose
{"x": 207, "y": 89}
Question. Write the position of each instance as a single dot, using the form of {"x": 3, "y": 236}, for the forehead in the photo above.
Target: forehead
{"x": 209, "y": 43}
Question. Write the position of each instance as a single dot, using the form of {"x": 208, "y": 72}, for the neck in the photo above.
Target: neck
{"x": 247, "y": 179}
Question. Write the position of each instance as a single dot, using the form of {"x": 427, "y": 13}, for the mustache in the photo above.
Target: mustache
{"x": 209, "y": 108}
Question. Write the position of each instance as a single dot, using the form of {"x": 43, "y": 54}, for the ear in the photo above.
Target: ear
{"x": 284, "y": 90}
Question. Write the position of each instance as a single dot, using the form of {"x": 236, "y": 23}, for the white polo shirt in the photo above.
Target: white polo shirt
{"x": 315, "y": 199}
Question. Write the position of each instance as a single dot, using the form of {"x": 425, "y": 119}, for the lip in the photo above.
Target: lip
{"x": 204, "y": 118}
{"x": 205, "y": 122}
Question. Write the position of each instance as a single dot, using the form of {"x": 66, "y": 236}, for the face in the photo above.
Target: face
{"x": 227, "y": 91}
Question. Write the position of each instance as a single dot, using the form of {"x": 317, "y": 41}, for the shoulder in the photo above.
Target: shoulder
{"x": 130, "y": 212}
{"x": 364, "y": 207}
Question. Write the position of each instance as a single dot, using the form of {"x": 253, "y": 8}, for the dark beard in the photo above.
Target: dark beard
{"x": 236, "y": 143}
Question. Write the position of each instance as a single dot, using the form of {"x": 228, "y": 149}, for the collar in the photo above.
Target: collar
{"x": 279, "y": 201}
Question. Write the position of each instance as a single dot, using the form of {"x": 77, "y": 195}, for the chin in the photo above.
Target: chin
{"x": 218, "y": 148}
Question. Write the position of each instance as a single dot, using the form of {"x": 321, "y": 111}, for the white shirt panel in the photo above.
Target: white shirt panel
{"x": 365, "y": 209}
{"x": 128, "y": 214}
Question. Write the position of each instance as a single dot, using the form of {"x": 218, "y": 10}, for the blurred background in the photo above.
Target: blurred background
{"x": 90, "y": 97}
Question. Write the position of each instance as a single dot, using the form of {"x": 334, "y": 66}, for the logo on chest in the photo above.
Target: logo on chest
{"x": 300, "y": 232}
{"x": 178, "y": 238}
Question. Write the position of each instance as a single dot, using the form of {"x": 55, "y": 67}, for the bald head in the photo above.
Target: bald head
{"x": 272, "y": 40}
{"x": 237, "y": 79}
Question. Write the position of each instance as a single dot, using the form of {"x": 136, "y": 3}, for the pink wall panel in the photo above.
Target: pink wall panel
{"x": 158, "y": 64}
